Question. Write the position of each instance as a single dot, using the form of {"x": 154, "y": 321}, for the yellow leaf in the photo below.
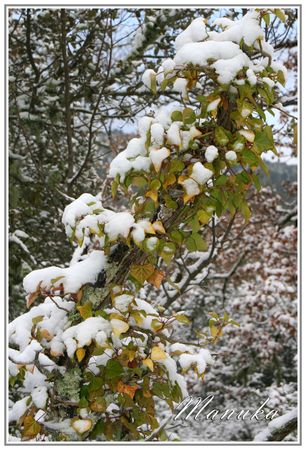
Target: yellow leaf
{"x": 157, "y": 354}
{"x": 30, "y": 427}
{"x": 149, "y": 363}
{"x": 181, "y": 179}
{"x": 158, "y": 226}
{"x": 85, "y": 310}
{"x": 80, "y": 353}
{"x": 215, "y": 331}
{"x": 142, "y": 272}
{"x": 116, "y": 315}
{"x": 137, "y": 317}
{"x": 153, "y": 195}
{"x": 169, "y": 180}
{"x": 156, "y": 325}
{"x": 119, "y": 326}
{"x": 187, "y": 197}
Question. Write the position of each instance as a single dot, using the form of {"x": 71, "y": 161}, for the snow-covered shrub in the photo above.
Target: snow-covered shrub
{"x": 90, "y": 359}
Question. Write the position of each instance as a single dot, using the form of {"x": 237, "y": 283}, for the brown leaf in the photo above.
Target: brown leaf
{"x": 156, "y": 278}
{"x": 126, "y": 389}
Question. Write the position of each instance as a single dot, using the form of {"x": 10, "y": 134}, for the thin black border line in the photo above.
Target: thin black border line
{"x": 219, "y": 443}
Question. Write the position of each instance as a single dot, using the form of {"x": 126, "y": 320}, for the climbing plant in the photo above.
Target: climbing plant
{"x": 91, "y": 357}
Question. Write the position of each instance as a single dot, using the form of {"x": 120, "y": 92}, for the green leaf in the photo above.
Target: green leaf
{"x": 256, "y": 182}
{"x": 113, "y": 369}
{"x": 221, "y": 180}
{"x": 114, "y": 188}
{"x": 249, "y": 157}
{"x": 37, "y": 319}
{"x": 264, "y": 140}
{"x": 177, "y": 236}
{"x": 243, "y": 176}
{"x": 188, "y": 116}
{"x": 195, "y": 242}
{"x": 170, "y": 203}
{"x": 222, "y": 136}
{"x": 177, "y": 116}
{"x": 98, "y": 429}
{"x": 155, "y": 184}
{"x": 96, "y": 383}
{"x": 281, "y": 77}
{"x": 245, "y": 210}
{"x": 167, "y": 251}
{"x": 176, "y": 166}
{"x": 139, "y": 181}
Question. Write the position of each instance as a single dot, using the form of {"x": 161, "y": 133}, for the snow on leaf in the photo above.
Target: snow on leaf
{"x": 157, "y": 354}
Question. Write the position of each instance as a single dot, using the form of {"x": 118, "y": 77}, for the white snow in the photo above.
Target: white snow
{"x": 40, "y": 396}
{"x": 18, "y": 409}
{"x": 83, "y": 205}
{"x": 133, "y": 157}
{"x": 157, "y": 134}
{"x": 268, "y": 81}
{"x": 147, "y": 78}
{"x": 195, "y": 32}
{"x": 248, "y": 135}
{"x": 119, "y": 225}
{"x": 191, "y": 187}
{"x": 231, "y": 155}
{"x": 213, "y": 105}
{"x": 279, "y": 422}
{"x": 247, "y": 28}
{"x": 252, "y": 79}
{"x": 26, "y": 356}
{"x": 179, "y": 348}
{"x": 200, "y": 174}
{"x": 82, "y": 334}
{"x": 180, "y": 85}
{"x": 174, "y": 377}
{"x": 211, "y": 153}
{"x": 99, "y": 360}
{"x": 199, "y": 360}
{"x": 229, "y": 58}
{"x": 54, "y": 320}
{"x": 82, "y": 425}
{"x": 72, "y": 278}
{"x": 158, "y": 156}
{"x": 144, "y": 125}
{"x": 168, "y": 65}
{"x": 152, "y": 243}
{"x": 173, "y": 134}
{"x": 122, "y": 302}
